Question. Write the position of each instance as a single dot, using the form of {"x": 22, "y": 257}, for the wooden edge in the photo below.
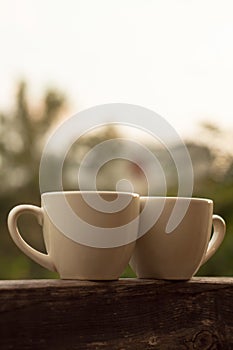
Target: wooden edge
{"x": 129, "y": 314}
{"x": 58, "y": 283}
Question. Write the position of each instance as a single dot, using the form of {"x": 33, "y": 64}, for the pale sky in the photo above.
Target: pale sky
{"x": 172, "y": 56}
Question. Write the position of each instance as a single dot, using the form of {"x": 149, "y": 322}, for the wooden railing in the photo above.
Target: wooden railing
{"x": 128, "y": 314}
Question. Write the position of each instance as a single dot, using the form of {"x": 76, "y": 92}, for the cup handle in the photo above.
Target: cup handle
{"x": 217, "y": 237}
{"x": 15, "y": 213}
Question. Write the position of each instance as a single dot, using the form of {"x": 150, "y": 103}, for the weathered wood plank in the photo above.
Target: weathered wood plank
{"x": 128, "y": 314}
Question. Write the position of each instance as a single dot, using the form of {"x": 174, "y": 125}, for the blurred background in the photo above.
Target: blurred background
{"x": 58, "y": 58}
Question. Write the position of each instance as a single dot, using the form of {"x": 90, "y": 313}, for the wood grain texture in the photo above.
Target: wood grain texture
{"x": 128, "y": 314}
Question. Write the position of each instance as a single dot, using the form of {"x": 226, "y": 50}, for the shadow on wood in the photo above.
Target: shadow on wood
{"x": 128, "y": 314}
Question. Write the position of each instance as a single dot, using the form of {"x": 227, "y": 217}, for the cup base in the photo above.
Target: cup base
{"x": 166, "y": 278}
{"x": 94, "y": 279}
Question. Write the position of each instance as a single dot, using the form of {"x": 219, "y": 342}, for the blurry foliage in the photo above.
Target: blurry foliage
{"x": 218, "y": 186}
{"x": 23, "y": 133}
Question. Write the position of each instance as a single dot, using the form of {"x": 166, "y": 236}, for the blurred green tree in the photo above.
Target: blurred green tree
{"x": 217, "y": 184}
{"x": 22, "y": 135}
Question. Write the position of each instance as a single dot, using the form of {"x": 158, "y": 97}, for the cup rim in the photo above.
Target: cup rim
{"x": 74, "y": 192}
{"x": 191, "y": 199}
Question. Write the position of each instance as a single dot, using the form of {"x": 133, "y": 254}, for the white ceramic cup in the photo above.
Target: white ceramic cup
{"x": 179, "y": 254}
{"x": 82, "y": 241}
